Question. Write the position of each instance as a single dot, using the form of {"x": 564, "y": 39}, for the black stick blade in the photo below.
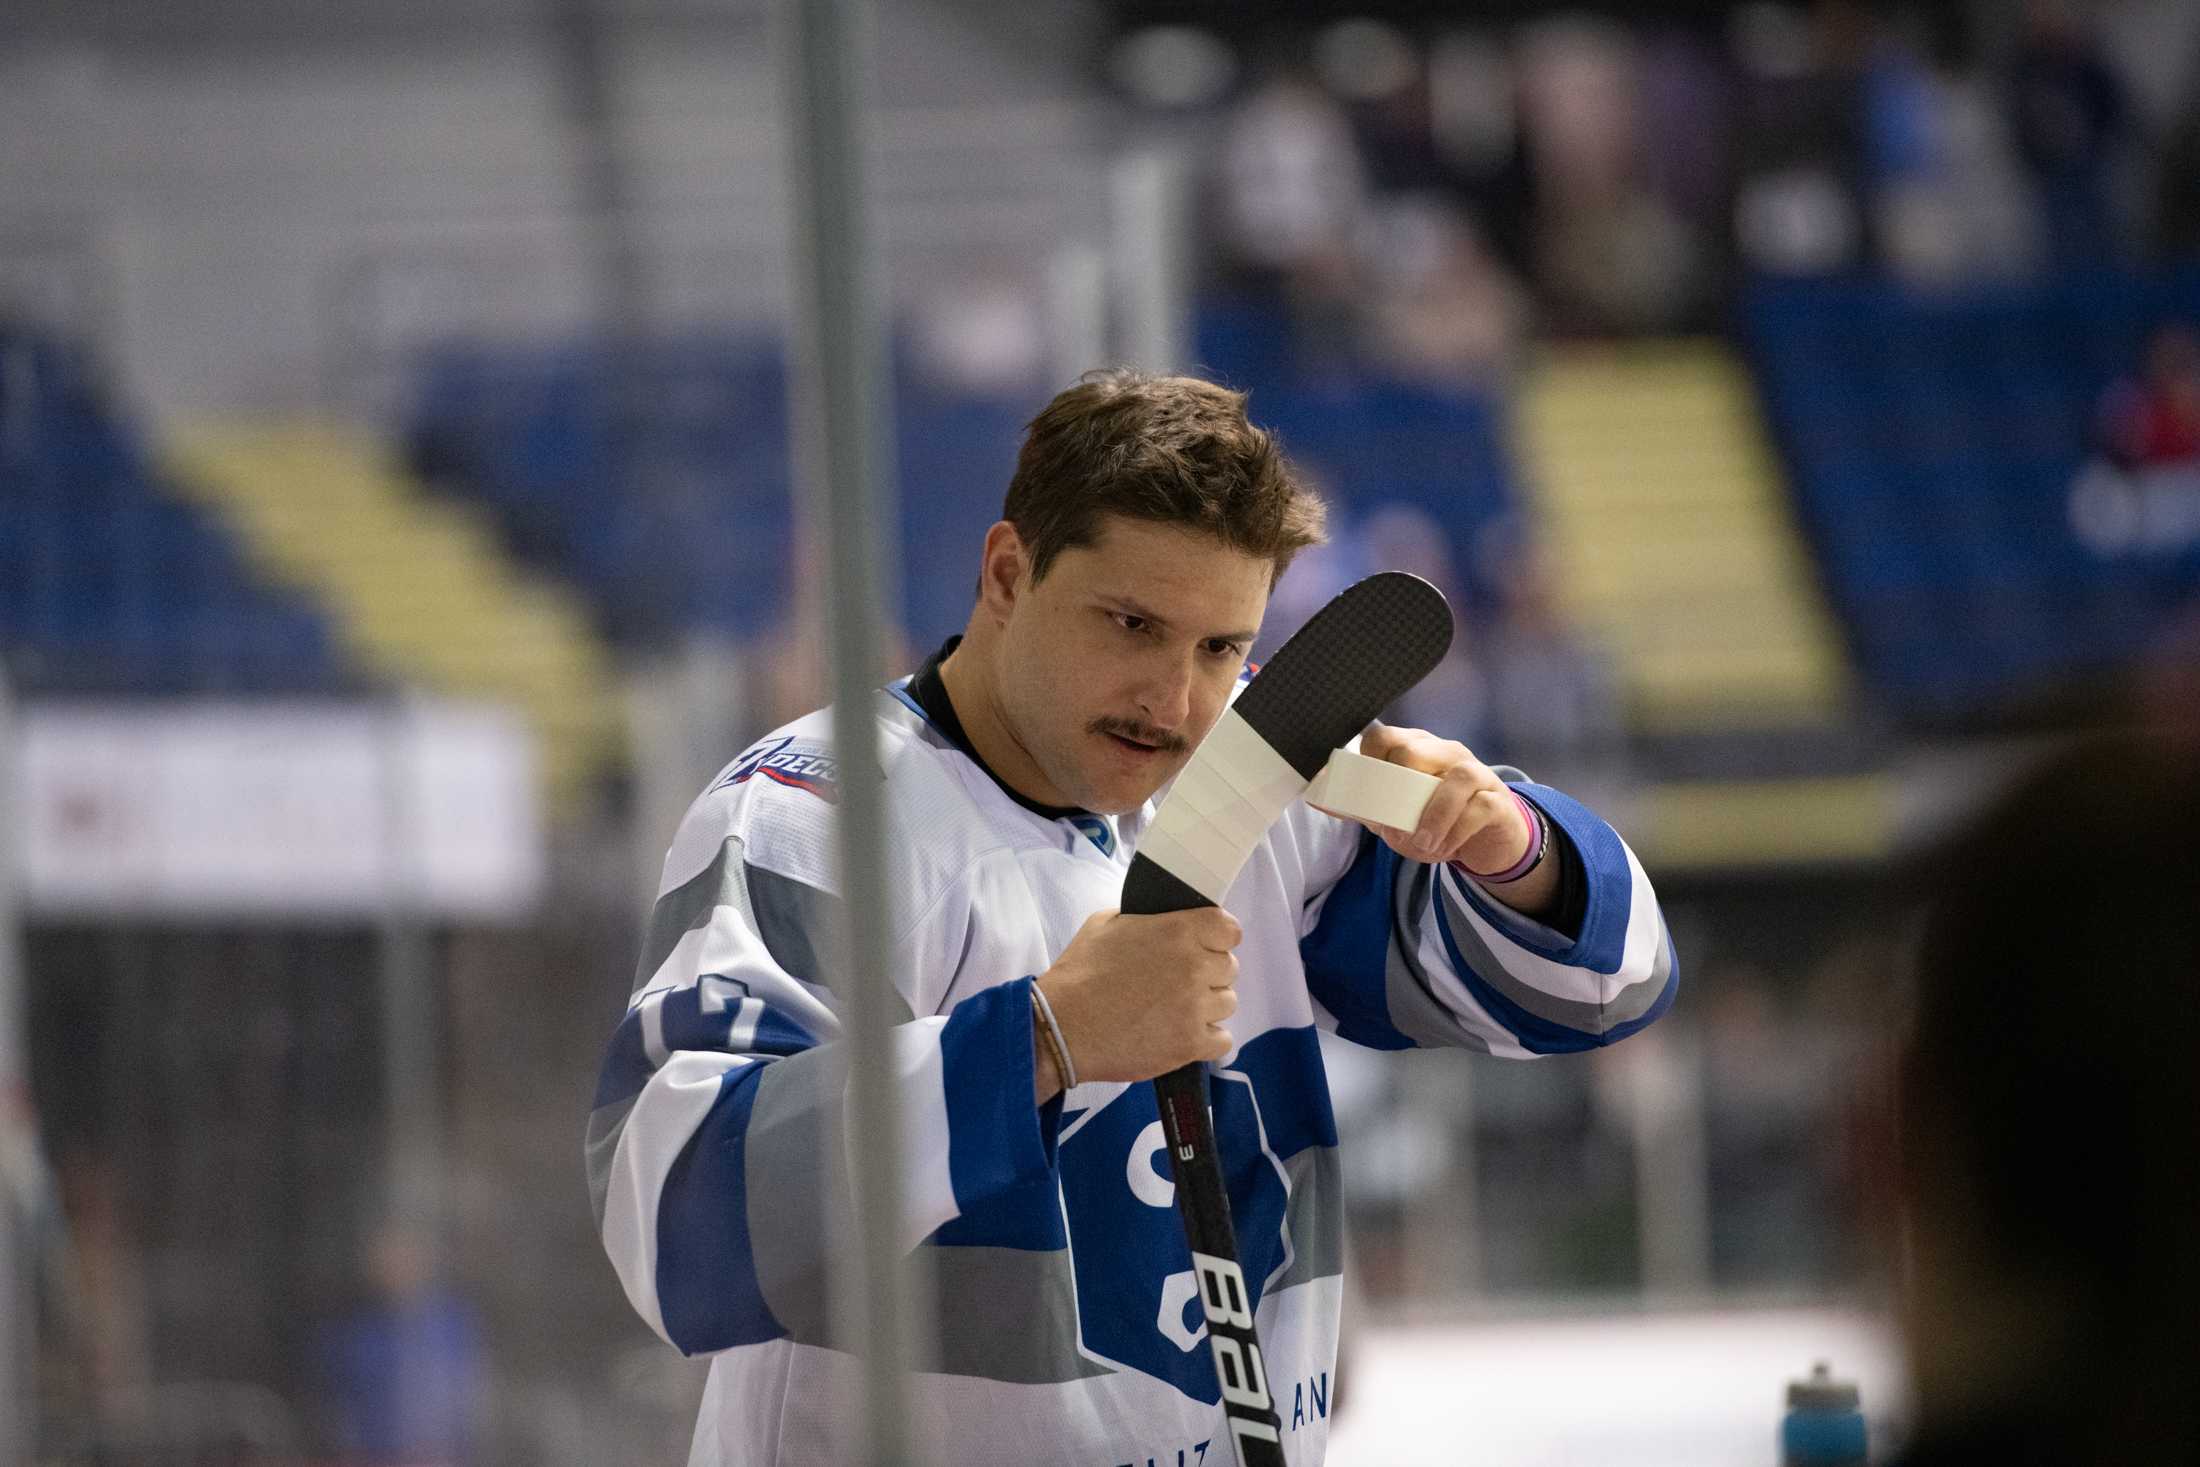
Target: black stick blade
{"x": 1353, "y": 658}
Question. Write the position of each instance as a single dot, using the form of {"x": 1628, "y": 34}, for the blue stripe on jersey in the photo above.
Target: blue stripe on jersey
{"x": 997, "y": 1139}
{"x": 1285, "y": 1066}
{"x": 1347, "y": 955}
{"x": 688, "y": 1024}
{"x": 1603, "y": 940}
{"x": 626, "y": 1064}
{"x": 706, "y": 1275}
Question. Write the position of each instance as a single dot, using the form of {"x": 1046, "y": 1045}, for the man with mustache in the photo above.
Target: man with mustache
{"x": 1145, "y": 525}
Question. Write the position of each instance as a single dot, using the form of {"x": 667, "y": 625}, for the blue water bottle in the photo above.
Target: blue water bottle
{"x": 1823, "y": 1427}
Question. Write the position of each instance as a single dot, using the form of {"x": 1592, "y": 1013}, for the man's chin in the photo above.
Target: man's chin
{"x": 1124, "y": 796}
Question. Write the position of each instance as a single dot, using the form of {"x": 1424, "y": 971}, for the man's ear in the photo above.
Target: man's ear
{"x": 1002, "y": 570}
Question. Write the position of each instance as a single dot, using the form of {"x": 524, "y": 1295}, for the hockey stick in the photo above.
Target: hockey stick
{"x": 1356, "y": 656}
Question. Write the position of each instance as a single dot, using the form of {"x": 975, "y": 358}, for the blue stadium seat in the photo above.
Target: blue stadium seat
{"x": 108, "y": 583}
{"x": 1933, "y": 441}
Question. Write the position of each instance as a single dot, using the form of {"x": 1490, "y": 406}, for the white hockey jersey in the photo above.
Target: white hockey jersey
{"x": 1069, "y": 1331}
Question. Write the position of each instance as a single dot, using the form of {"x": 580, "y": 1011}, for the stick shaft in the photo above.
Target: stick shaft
{"x": 1203, "y": 1206}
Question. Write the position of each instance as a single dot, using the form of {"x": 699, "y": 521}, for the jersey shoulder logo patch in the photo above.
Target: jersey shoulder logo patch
{"x": 798, "y": 763}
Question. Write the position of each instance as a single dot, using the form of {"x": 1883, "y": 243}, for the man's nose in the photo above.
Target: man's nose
{"x": 1166, "y": 699}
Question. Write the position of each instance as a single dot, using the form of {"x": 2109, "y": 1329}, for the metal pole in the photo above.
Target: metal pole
{"x": 843, "y": 411}
{"x": 405, "y": 963}
{"x": 1077, "y": 311}
{"x": 587, "y": 97}
{"x": 1146, "y": 195}
{"x": 1665, "y": 1115}
{"x": 16, "y": 1313}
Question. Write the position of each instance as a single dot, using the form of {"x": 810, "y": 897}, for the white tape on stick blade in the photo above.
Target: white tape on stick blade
{"x": 1372, "y": 789}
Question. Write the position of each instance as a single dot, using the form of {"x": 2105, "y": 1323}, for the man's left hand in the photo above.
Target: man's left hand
{"x": 1472, "y": 818}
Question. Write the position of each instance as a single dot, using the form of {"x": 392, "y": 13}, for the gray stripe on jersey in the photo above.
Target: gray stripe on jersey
{"x": 1315, "y": 1218}
{"x": 683, "y": 909}
{"x": 800, "y": 926}
{"x": 1008, "y": 1314}
{"x": 1632, "y": 1002}
{"x": 1408, "y": 992}
{"x": 795, "y": 1126}
{"x": 605, "y": 1126}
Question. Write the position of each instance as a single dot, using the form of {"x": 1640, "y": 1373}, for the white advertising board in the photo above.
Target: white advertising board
{"x": 214, "y": 809}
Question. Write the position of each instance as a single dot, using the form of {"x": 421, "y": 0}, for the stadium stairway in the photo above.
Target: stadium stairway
{"x": 1661, "y": 502}
{"x": 419, "y": 587}
{"x": 1676, "y": 552}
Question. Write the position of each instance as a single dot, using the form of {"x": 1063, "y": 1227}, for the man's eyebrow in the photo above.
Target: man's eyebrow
{"x": 1129, "y": 607}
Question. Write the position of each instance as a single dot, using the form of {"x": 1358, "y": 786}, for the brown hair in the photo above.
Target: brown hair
{"x": 1170, "y": 449}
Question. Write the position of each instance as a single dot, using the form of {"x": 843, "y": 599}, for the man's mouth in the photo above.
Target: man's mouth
{"x": 1140, "y": 741}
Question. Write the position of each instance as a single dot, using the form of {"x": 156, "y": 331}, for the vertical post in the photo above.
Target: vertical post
{"x": 1457, "y": 1193}
{"x": 841, "y": 433}
{"x": 588, "y": 105}
{"x": 1665, "y": 1116}
{"x": 1146, "y": 198}
{"x": 16, "y": 1314}
{"x": 405, "y": 959}
{"x": 1077, "y": 312}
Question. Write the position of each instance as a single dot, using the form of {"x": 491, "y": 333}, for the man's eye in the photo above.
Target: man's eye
{"x": 1130, "y": 623}
{"x": 1219, "y": 648}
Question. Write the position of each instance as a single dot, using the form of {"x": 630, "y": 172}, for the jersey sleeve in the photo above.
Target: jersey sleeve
{"x": 1402, "y": 954}
{"x": 717, "y": 1147}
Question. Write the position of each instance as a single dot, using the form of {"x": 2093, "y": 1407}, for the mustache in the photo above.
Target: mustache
{"x": 1123, "y": 728}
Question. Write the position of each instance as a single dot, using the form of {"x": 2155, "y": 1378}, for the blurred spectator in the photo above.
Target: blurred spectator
{"x": 1622, "y": 168}
{"x": 2049, "y": 1177}
{"x": 108, "y": 1272}
{"x": 1610, "y": 254}
{"x": 1475, "y": 125}
{"x": 1441, "y": 309}
{"x": 1799, "y": 203}
{"x": 2072, "y": 117}
{"x": 2177, "y": 190}
{"x": 1958, "y": 208}
{"x": 1290, "y": 200}
{"x": 404, "y": 1371}
{"x": 2153, "y": 420}
{"x": 1553, "y": 704}
{"x": 1686, "y": 101}
{"x": 1382, "y": 81}
{"x": 2168, "y": 687}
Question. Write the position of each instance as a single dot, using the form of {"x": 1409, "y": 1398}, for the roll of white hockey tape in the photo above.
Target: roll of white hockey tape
{"x": 1372, "y": 789}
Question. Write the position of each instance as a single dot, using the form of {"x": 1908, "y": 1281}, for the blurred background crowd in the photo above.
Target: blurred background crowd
{"x": 400, "y": 521}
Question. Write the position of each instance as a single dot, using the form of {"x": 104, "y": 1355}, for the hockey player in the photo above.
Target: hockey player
{"x": 1144, "y": 527}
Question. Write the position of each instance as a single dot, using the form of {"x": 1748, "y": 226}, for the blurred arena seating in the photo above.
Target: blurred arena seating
{"x": 112, "y": 583}
{"x": 423, "y": 591}
{"x": 657, "y": 477}
{"x": 1936, "y": 442}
